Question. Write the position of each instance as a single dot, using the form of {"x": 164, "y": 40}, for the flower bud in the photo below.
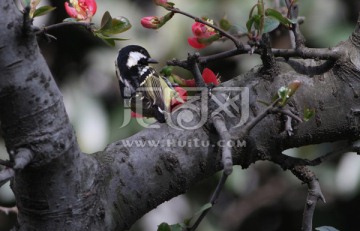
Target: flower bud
{"x": 150, "y": 22}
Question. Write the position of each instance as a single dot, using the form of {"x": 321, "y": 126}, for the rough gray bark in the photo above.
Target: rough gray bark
{"x": 65, "y": 189}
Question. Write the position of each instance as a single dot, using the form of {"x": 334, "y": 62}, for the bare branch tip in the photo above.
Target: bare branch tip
{"x": 23, "y": 157}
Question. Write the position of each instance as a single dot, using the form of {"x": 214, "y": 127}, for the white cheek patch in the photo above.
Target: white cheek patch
{"x": 143, "y": 70}
{"x": 134, "y": 58}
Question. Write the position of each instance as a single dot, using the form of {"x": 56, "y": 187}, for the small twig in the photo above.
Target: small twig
{"x": 225, "y": 54}
{"x": 251, "y": 124}
{"x": 199, "y": 81}
{"x": 237, "y": 43}
{"x": 305, "y": 53}
{"x": 286, "y": 112}
{"x": 314, "y": 194}
{"x": 299, "y": 38}
{"x": 302, "y": 67}
{"x": 293, "y": 10}
{"x": 6, "y": 163}
{"x": 213, "y": 201}
{"x": 23, "y": 157}
{"x": 19, "y": 159}
{"x": 219, "y": 124}
{"x": 270, "y": 67}
{"x": 227, "y": 162}
{"x": 179, "y": 63}
{"x": 86, "y": 25}
{"x": 27, "y": 21}
{"x": 5, "y": 175}
{"x": 288, "y": 127}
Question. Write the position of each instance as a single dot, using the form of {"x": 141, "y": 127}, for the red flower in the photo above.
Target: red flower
{"x": 207, "y": 74}
{"x": 209, "y": 77}
{"x": 203, "y": 35}
{"x": 201, "y": 30}
{"x": 182, "y": 93}
{"x": 193, "y": 41}
{"x": 151, "y": 22}
{"x": 82, "y": 10}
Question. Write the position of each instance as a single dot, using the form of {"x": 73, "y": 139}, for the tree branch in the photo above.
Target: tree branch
{"x": 314, "y": 194}
{"x": 237, "y": 43}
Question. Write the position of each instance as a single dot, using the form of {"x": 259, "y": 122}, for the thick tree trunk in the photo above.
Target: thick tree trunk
{"x": 64, "y": 189}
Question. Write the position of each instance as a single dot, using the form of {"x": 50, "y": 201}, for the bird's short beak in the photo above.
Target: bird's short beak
{"x": 151, "y": 60}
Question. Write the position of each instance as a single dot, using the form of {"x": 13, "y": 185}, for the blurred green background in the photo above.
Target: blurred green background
{"x": 262, "y": 197}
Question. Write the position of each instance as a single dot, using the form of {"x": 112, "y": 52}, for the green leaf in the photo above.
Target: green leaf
{"x": 164, "y": 227}
{"x": 260, "y": 7}
{"x": 177, "y": 227}
{"x": 43, "y": 10}
{"x": 326, "y": 228}
{"x": 209, "y": 39}
{"x": 102, "y": 36}
{"x": 254, "y": 20}
{"x": 118, "y": 25}
{"x": 308, "y": 114}
{"x": 277, "y": 15}
{"x": 225, "y": 24}
{"x": 166, "y": 71}
{"x": 270, "y": 24}
{"x": 106, "y": 21}
{"x": 283, "y": 94}
{"x": 202, "y": 209}
{"x": 111, "y": 26}
{"x": 108, "y": 40}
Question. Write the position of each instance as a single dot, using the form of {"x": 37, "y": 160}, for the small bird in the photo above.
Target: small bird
{"x": 142, "y": 85}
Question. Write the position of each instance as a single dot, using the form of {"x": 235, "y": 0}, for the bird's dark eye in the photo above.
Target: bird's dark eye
{"x": 143, "y": 62}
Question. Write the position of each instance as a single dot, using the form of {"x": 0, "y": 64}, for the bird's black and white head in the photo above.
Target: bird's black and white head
{"x": 132, "y": 68}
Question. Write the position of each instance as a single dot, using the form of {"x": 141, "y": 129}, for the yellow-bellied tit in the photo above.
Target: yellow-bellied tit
{"x": 142, "y": 85}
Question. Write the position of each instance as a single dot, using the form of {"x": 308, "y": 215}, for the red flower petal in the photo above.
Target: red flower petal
{"x": 209, "y": 77}
{"x": 194, "y": 43}
{"x": 150, "y": 22}
{"x": 136, "y": 115}
{"x": 91, "y": 7}
{"x": 182, "y": 94}
{"x": 190, "y": 82}
{"x": 71, "y": 11}
{"x": 81, "y": 9}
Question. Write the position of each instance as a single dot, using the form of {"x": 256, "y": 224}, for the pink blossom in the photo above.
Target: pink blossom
{"x": 150, "y": 22}
{"x": 82, "y": 10}
{"x": 203, "y": 35}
